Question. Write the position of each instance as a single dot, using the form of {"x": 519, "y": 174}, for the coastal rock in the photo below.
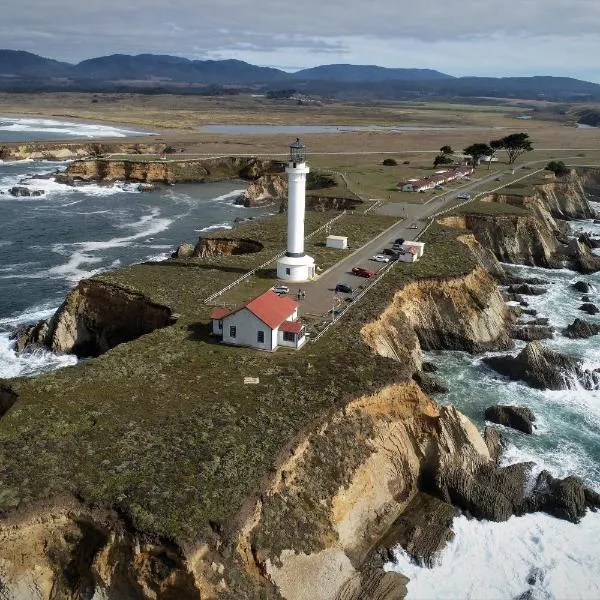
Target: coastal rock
{"x": 582, "y": 286}
{"x": 7, "y": 398}
{"x": 147, "y": 187}
{"x": 589, "y": 308}
{"x": 543, "y": 368}
{"x": 579, "y": 329}
{"x": 429, "y": 367}
{"x": 23, "y": 191}
{"x": 95, "y": 317}
{"x": 531, "y": 332}
{"x": 526, "y": 290}
{"x": 264, "y": 190}
{"x": 566, "y": 498}
{"x": 184, "y": 250}
{"x": 211, "y": 247}
{"x": 517, "y": 417}
{"x": 494, "y": 442}
{"x": 429, "y": 384}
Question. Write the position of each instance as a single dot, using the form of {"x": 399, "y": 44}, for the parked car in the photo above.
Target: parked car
{"x": 281, "y": 289}
{"x": 344, "y": 288}
{"x": 464, "y": 196}
{"x": 381, "y": 258}
{"x": 413, "y": 226}
{"x": 399, "y": 242}
{"x": 362, "y": 272}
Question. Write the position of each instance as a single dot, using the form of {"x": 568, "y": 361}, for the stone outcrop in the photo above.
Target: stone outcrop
{"x": 264, "y": 190}
{"x": 494, "y": 442}
{"x": 184, "y": 250}
{"x": 544, "y": 369}
{"x": 7, "y": 398}
{"x": 589, "y": 308}
{"x": 20, "y": 191}
{"x": 529, "y": 332}
{"x": 582, "y": 286}
{"x": 210, "y": 247}
{"x": 461, "y": 313}
{"x": 579, "y": 329}
{"x": 95, "y": 317}
{"x": 165, "y": 171}
{"x": 517, "y": 417}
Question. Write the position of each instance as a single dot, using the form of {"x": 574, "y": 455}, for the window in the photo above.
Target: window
{"x": 260, "y": 337}
{"x": 288, "y": 336}
{"x": 221, "y": 325}
{"x": 232, "y": 331}
{"x": 288, "y": 271}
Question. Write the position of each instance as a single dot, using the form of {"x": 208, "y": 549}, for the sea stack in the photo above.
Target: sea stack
{"x": 295, "y": 265}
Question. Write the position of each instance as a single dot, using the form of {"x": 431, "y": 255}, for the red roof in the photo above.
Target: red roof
{"x": 269, "y": 307}
{"x": 291, "y": 326}
{"x": 219, "y": 313}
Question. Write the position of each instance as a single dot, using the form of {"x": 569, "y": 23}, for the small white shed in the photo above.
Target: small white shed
{"x": 418, "y": 246}
{"x": 337, "y": 241}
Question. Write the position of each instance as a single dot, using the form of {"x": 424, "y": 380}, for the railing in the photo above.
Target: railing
{"x": 268, "y": 262}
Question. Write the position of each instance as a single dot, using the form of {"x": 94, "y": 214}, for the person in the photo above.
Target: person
{"x": 299, "y": 294}
{"x": 303, "y": 294}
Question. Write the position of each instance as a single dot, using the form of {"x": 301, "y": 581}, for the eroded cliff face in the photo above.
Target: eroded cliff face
{"x": 209, "y": 247}
{"x": 73, "y": 150}
{"x": 265, "y": 190}
{"x": 165, "y": 171}
{"x": 459, "y": 313}
{"x": 72, "y": 553}
{"x": 95, "y": 317}
{"x": 343, "y": 486}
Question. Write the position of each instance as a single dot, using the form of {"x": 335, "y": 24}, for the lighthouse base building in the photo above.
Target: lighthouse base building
{"x": 296, "y": 268}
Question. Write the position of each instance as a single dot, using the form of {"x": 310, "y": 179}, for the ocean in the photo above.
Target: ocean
{"x": 50, "y": 242}
{"x": 495, "y": 560}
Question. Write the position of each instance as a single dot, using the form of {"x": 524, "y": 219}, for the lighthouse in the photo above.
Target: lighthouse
{"x": 295, "y": 265}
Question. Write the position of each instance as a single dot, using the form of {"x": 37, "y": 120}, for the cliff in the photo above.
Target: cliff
{"x": 95, "y": 317}
{"x": 534, "y": 233}
{"x": 164, "y": 171}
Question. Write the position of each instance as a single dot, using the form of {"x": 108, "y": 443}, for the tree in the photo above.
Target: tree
{"x": 442, "y": 159}
{"x": 516, "y": 144}
{"x": 446, "y": 150}
{"x": 495, "y": 145}
{"x": 389, "y": 162}
{"x": 477, "y": 151}
{"x": 558, "y": 167}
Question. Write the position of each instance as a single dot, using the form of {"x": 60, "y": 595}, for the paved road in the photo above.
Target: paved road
{"x": 320, "y": 296}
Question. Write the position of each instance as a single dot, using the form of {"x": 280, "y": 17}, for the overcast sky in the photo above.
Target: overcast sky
{"x": 468, "y": 37}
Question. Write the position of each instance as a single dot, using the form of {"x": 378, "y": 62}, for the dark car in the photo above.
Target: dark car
{"x": 343, "y": 287}
{"x": 399, "y": 242}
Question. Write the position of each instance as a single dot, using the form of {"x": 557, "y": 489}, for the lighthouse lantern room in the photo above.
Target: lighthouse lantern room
{"x": 295, "y": 265}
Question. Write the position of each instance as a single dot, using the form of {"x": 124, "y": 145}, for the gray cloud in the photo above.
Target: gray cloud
{"x": 543, "y": 33}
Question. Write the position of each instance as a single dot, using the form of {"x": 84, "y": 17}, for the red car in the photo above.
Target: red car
{"x": 362, "y": 272}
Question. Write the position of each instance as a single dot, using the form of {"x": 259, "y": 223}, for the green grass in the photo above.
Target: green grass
{"x": 478, "y": 207}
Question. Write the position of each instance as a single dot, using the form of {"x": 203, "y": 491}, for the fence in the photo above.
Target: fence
{"x": 268, "y": 262}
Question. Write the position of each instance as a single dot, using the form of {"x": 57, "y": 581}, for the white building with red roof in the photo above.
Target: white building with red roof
{"x": 265, "y": 322}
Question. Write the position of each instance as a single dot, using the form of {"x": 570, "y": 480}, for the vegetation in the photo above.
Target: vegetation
{"x": 477, "y": 152}
{"x": 515, "y": 145}
{"x": 558, "y": 167}
{"x": 389, "y": 162}
{"x": 442, "y": 159}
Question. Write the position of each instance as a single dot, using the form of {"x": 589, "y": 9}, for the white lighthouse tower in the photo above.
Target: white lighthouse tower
{"x": 295, "y": 265}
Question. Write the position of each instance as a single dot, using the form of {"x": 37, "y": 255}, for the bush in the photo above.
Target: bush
{"x": 406, "y": 162}
{"x": 558, "y": 167}
{"x": 169, "y": 150}
{"x": 389, "y": 162}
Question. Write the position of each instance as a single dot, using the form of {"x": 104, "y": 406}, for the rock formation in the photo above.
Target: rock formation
{"x": 95, "y": 317}
{"x": 517, "y": 417}
{"x": 265, "y": 190}
{"x": 543, "y": 368}
{"x": 209, "y": 247}
{"x": 23, "y": 191}
{"x": 579, "y": 329}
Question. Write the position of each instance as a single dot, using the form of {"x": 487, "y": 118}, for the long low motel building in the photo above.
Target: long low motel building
{"x": 439, "y": 178}
{"x": 265, "y": 322}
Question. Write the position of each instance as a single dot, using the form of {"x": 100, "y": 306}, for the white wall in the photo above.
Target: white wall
{"x": 247, "y": 325}
{"x": 215, "y": 327}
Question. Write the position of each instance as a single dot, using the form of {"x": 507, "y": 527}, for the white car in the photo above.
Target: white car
{"x": 381, "y": 258}
{"x": 281, "y": 289}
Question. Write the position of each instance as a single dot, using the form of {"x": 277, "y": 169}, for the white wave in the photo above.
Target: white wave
{"x": 31, "y": 315}
{"x": 158, "y": 257}
{"x": 5, "y": 243}
{"x": 217, "y": 226}
{"x": 230, "y": 197}
{"x": 494, "y": 560}
{"x": 29, "y": 363}
{"x": 70, "y": 128}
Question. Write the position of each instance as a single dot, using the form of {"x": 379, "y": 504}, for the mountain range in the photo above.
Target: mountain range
{"x": 20, "y": 70}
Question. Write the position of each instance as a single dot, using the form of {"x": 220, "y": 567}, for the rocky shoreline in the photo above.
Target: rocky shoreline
{"x": 388, "y": 467}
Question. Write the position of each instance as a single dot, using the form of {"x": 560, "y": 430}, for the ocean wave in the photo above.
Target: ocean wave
{"x": 212, "y": 227}
{"x": 230, "y": 198}
{"x": 495, "y": 560}
{"x": 87, "y": 130}
{"x": 29, "y": 363}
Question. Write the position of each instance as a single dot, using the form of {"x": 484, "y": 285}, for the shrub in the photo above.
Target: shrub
{"x": 406, "y": 162}
{"x": 558, "y": 167}
{"x": 389, "y": 162}
{"x": 169, "y": 150}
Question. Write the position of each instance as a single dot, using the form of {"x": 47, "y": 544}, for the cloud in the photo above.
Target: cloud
{"x": 467, "y": 36}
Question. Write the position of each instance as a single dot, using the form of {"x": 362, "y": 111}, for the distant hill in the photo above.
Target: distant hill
{"x": 17, "y": 63}
{"x": 152, "y": 73}
{"x": 367, "y": 73}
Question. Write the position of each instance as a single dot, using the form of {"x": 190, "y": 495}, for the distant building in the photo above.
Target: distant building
{"x": 265, "y": 322}
{"x": 439, "y": 178}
